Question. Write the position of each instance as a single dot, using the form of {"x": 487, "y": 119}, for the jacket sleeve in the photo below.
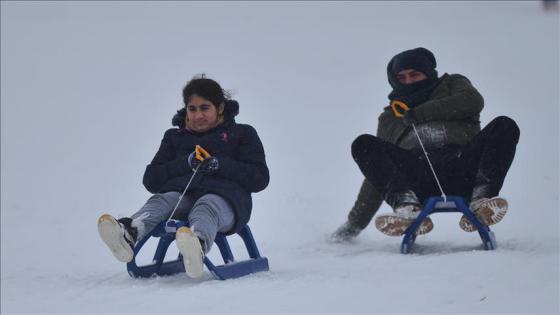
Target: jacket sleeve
{"x": 248, "y": 168}
{"x": 165, "y": 165}
{"x": 367, "y": 203}
{"x": 463, "y": 101}
{"x": 389, "y": 128}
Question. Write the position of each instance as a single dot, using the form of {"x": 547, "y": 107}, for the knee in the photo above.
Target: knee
{"x": 210, "y": 201}
{"x": 507, "y": 127}
{"x": 203, "y": 209}
{"x": 362, "y": 146}
{"x": 210, "y": 206}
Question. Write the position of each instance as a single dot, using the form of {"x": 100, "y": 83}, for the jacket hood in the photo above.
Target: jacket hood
{"x": 231, "y": 109}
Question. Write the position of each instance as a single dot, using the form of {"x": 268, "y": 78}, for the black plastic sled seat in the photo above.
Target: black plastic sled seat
{"x": 230, "y": 269}
{"x": 448, "y": 204}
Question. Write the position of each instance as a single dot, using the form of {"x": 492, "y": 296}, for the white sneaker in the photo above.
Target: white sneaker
{"x": 395, "y": 224}
{"x": 116, "y": 237}
{"x": 193, "y": 256}
{"x": 488, "y": 210}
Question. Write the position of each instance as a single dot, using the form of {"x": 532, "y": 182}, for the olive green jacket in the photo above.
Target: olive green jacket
{"x": 450, "y": 116}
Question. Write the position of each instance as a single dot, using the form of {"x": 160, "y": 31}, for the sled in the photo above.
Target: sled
{"x": 448, "y": 204}
{"x": 230, "y": 269}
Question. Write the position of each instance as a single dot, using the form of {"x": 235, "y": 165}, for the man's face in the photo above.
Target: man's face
{"x": 409, "y": 76}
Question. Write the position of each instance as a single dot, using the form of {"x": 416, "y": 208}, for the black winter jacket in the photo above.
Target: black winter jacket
{"x": 241, "y": 158}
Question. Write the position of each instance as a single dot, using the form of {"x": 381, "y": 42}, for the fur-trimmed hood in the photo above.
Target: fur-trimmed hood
{"x": 231, "y": 109}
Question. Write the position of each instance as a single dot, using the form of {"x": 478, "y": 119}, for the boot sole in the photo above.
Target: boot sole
{"x": 391, "y": 225}
{"x": 491, "y": 213}
{"x": 190, "y": 248}
{"x": 111, "y": 233}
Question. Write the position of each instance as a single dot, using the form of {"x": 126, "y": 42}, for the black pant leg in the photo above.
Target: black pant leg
{"x": 387, "y": 167}
{"x": 489, "y": 155}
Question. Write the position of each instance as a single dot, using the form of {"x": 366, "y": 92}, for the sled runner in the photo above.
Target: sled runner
{"x": 449, "y": 204}
{"x": 230, "y": 269}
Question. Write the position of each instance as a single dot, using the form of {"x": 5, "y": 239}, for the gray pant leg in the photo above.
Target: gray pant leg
{"x": 157, "y": 209}
{"x": 211, "y": 214}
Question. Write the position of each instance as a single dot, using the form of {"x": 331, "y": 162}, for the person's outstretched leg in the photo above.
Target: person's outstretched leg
{"x": 121, "y": 235}
{"x": 495, "y": 147}
{"x": 490, "y": 154}
{"x": 210, "y": 214}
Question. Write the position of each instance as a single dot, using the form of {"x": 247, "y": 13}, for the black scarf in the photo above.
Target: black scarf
{"x": 416, "y": 93}
{"x": 420, "y": 59}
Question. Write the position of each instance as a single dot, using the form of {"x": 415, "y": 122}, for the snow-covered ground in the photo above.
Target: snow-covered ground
{"x": 87, "y": 90}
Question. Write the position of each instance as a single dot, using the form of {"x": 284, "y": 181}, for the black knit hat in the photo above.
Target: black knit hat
{"x": 420, "y": 59}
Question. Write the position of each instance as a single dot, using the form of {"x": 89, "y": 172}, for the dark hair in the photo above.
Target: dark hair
{"x": 210, "y": 90}
{"x": 206, "y": 88}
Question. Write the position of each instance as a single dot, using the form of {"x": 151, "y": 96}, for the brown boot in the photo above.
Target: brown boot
{"x": 395, "y": 224}
{"x": 488, "y": 210}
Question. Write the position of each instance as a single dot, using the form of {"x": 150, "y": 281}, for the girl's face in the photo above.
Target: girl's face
{"x": 202, "y": 115}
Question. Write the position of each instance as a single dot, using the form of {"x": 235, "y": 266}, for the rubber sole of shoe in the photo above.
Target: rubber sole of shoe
{"x": 111, "y": 233}
{"x": 393, "y": 225}
{"x": 190, "y": 248}
{"x": 491, "y": 212}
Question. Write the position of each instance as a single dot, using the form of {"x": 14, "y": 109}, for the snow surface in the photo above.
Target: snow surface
{"x": 87, "y": 90}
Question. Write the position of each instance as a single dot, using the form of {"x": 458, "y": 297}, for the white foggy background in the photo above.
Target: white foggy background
{"x": 88, "y": 89}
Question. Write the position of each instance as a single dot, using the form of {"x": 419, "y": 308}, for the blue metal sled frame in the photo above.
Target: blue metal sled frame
{"x": 452, "y": 204}
{"x": 230, "y": 269}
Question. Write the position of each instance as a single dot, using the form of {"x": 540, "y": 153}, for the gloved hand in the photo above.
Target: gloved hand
{"x": 210, "y": 165}
{"x": 200, "y": 159}
{"x": 409, "y": 118}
